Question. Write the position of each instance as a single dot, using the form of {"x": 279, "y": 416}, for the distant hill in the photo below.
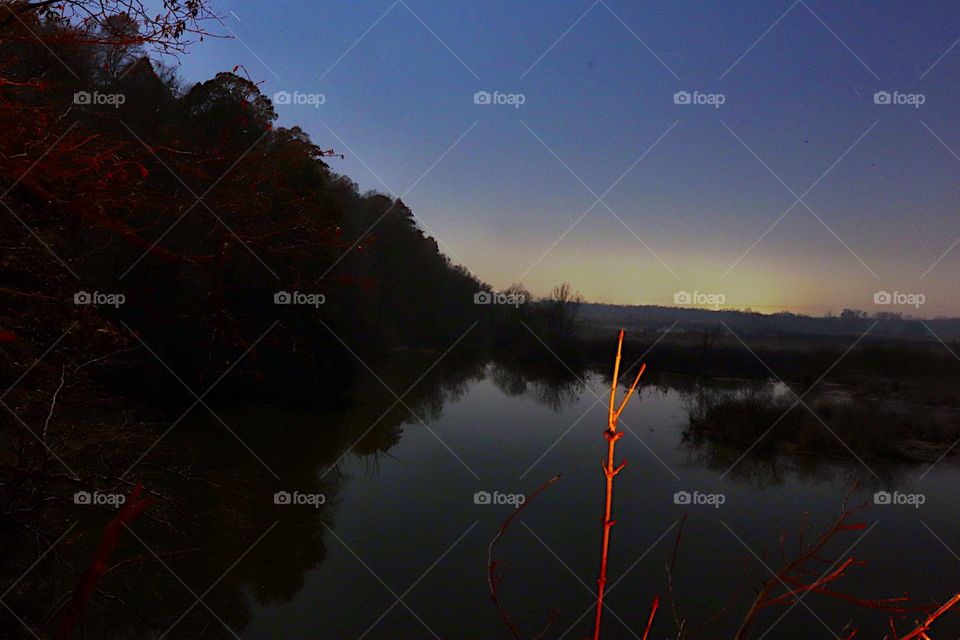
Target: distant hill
{"x": 751, "y": 322}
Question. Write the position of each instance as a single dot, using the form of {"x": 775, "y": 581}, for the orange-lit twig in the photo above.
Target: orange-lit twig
{"x": 921, "y": 630}
{"x": 610, "y": 471}
{"x": 653, "y": 612}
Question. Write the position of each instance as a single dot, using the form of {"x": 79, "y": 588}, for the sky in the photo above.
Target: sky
{"x": 738, "y": 152}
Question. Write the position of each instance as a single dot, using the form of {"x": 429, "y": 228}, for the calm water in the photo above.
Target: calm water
{"x": 409, "y": 526}
{"x": 399, "y": 547}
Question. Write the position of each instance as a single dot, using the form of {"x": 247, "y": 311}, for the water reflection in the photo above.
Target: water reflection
{"x": 268, "y": 570}
{"x": 757, "y": 431}
{"x": 556, "y": 388}
{"x": 215, "y": 523}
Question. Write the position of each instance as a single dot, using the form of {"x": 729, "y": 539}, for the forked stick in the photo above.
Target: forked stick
{"x": 610, "y": 471}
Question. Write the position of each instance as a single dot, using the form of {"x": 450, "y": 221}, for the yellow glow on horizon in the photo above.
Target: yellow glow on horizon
{"x": 635, "y": 277}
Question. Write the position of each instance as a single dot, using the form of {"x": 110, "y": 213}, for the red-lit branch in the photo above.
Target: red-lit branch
{"x": 494, "y": 578}
{"x": 796, "y": 577}
{"x": 921, "y": 630}
{"x": 610, "y": 470}
{"x": 88, "y": 583}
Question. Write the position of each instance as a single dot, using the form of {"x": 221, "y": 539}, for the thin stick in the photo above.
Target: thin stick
{"x": 670, "y": 567}
{"x": 88, "y": 582}
{"x": 795, "y": 575}
{"x": 609, "y": 472}
{"x": 494, "y": 580}
{"x": 653, "y": 612}
{"x": 921, "y": 630}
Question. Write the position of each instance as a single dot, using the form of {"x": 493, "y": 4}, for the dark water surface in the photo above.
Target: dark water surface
{"x": 406, "y": 541}
{"x": 398, "y": 549}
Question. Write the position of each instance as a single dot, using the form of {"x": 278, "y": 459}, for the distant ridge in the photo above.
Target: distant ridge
{"x": 848, "y": 321}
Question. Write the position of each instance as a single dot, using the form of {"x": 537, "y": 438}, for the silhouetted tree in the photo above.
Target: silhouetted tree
{"x": 561, "y": 309}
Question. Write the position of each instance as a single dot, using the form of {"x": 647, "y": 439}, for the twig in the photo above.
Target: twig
{"x": 130, "y": 510}
{"x": 922, "y": 628}
{"x": 670, "y": 566}
{"x": 53, "y": 403}
{"x": 682, "y": 631}
{"x": 494, "y": 579}
{"x": 797, "y": 579}
{"x": 609, "y": 472}
{"x": 653, "y": 612}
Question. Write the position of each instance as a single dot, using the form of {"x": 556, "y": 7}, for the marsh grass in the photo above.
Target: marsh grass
{"x": 759, "y": 418}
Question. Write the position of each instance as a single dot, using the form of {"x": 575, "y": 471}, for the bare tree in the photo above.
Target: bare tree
{"x": 166, "y": 30}
{"x": 562, "y": 309}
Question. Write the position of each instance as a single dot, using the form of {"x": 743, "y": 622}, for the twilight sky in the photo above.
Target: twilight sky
{"x": 798, "y": 193}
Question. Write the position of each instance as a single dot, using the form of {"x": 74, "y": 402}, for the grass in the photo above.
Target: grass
{"x": 826, "y": 422}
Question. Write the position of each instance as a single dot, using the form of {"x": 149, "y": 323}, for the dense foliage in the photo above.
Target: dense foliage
{"x": 191, "y": 205}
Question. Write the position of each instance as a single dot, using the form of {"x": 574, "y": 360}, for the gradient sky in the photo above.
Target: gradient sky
{"x": 599, "y": 81}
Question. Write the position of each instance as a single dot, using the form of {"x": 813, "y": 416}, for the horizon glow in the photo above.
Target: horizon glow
{"x": 820, "y": 180}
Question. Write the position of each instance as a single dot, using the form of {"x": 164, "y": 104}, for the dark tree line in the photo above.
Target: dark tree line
{"x": 142, "y": 219}
{"x": 193, "y": 206}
